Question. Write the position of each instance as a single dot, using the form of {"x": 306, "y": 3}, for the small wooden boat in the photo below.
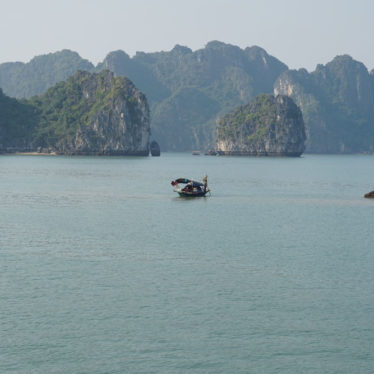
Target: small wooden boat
{"x": 192, "y": 188}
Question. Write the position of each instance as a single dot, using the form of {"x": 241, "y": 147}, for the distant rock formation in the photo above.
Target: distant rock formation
{"x": 89, "y": 114}
{"x": 24, "y": 80}
{"x": 267, "y": 126}
{"x": 337, "y": 102}
{"x": 188, "y": 89}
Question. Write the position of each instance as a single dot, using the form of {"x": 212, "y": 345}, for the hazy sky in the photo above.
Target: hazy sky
{"x": 301, "y": 33}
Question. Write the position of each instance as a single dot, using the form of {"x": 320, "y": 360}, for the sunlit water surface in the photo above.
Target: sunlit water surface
{"x": 103, "y": 269}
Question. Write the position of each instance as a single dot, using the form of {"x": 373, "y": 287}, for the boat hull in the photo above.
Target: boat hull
{"x": 192, "y": 194}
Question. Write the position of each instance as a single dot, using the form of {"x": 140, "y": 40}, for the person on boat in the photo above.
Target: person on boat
{"x": 188, "y": 188}
{"x": 205, "y": 181}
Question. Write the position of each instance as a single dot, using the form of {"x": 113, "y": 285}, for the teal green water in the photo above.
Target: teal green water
{"x": 103, "y": 269}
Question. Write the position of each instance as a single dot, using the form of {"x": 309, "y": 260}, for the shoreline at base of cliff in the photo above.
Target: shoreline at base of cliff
{"x": 31, "y": 153}
{"x": 125, "y": 154}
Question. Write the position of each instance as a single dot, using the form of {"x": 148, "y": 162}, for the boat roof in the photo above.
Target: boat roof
{"x": 185, "y": 181}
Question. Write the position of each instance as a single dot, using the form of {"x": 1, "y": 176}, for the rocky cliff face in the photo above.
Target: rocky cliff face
{"x": 188, "y": 89}
{"x": 268, "y": 126}
{"x": 337, "y": 102}
{"x": 89, "y": 114}
{"x": 118, "y": 120}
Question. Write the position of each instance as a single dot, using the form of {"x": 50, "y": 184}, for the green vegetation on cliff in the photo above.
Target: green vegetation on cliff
{"x": 68, "y": 105}
{"x": 84, "y": 103}
{"x": 17, "y": 122}
{"x": 256, "y": 117}
{"x": 266, "y": 126}
{"x": 187, "y": 90}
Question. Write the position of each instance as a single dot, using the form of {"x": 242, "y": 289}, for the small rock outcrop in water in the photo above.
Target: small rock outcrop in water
{"x": 267, "y": 126}
{"x": 155, "y": 148}
{"x": 369, "y": 195}
{"x": 89, "y": 114}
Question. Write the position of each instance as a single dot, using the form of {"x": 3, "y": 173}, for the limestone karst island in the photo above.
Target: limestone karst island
{"x": 268, "y": 126}
{"x": 89, "y": 114}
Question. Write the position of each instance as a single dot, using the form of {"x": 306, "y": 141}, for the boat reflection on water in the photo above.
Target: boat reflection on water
{"x": 192, "y": 188}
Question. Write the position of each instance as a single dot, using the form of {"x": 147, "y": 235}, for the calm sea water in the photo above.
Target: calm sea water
{"x": 103, "y": 269}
